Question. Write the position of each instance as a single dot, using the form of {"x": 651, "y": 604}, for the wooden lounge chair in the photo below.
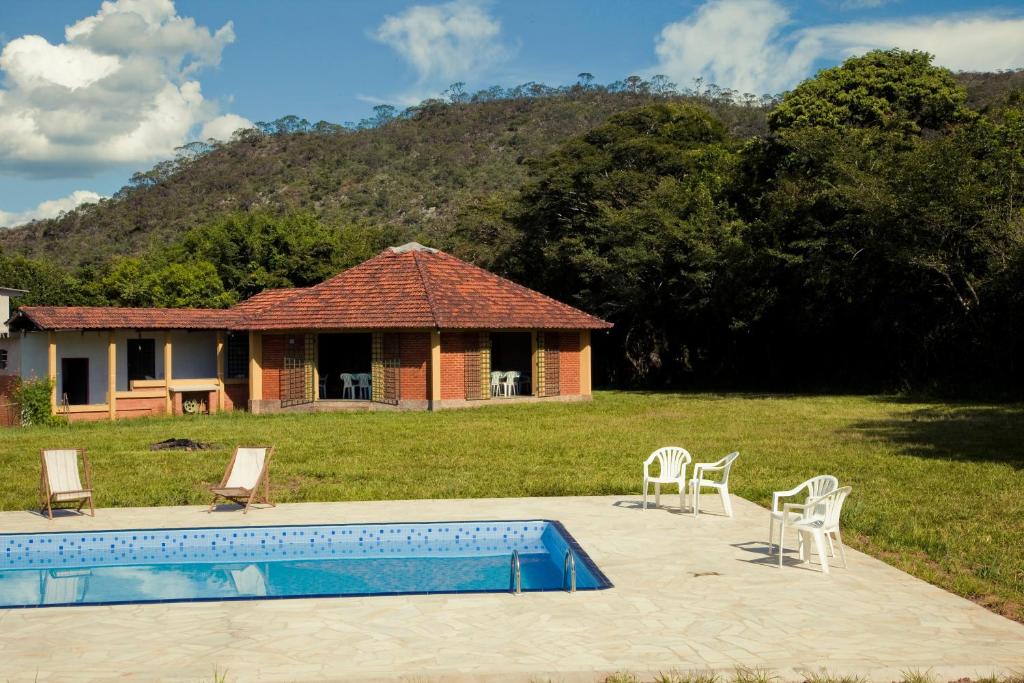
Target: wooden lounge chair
{"x": 59, "y": 481}
{"x": 247, "y": 473}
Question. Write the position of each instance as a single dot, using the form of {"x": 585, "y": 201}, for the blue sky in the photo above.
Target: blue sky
{"x": 91, "y": 92}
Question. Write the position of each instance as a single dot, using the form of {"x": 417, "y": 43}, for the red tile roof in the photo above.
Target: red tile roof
{"x": 417, "y": 287}
{"x": 402, "y": 287}
{"x": 258, "y": 303}
{"x": 112, "y": 318}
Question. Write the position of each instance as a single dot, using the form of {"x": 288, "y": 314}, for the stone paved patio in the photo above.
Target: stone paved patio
{"x": 689, "y": 594}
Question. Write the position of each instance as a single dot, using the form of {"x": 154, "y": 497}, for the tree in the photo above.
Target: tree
{"x": 627, "y": 222}
{"x": 894, "y": 90}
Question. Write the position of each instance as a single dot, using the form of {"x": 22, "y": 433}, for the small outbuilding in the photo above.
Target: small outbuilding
{"x": 411, "y": 328}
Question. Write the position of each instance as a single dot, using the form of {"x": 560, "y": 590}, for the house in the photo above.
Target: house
{"x": 8, "y": 348}
{"x": 427, "y": 328}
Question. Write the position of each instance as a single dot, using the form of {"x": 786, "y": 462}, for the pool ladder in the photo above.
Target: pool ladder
{"x": 569, "y": 572}
{"x": 515, "y": 579}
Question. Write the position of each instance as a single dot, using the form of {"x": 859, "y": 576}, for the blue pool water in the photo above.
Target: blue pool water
{"x": 170, "y": 565}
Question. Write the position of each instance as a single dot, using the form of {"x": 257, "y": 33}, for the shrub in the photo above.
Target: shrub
{"x": 33, "y": 396}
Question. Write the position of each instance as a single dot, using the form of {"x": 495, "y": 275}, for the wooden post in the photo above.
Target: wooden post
{"x": 168, "y": 372}
{"x": 220, "y": 370}
{"x": 112, "y": 375}
{"x": 435, "y": 369}
{"x": 585, "y": 383}
{"x": 255, "y": 367}
{"x": 51, "y": 370}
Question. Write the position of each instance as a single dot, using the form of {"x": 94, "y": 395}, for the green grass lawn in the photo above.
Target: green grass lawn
{"x": 938, "y": 489}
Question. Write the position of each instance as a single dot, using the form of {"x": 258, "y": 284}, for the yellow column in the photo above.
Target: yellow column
{"x": 435, "y": 369}
{"x": 255, "y": 366}
{"x": 534, "y": 375}
{"x": 585, "y": 384}
{"x": 112, "y": 375}
{"x": 51, "y": 370}
{"x": 220, "y": 370}
{"x": 316, "y": 366}
{"x": 168, "y": 372}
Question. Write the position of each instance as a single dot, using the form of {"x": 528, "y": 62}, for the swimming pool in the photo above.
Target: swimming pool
{"x": 272, "y": 562}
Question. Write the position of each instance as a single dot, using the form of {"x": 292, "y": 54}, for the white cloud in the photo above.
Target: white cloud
{"x": 752, "y": 46}
{"x": 222, "y": 127}
{"x": 48, "y": 209}
{"x": 444, "y": 43}
{"x": 862, "y": 4}
{"x": 120, "y": 89}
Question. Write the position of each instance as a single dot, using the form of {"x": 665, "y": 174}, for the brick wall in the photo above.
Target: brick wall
{"x": 414, "y": 378}
{"x": 273, "y": 362}
{"x": 236, "y": 396}
{"x": 569, "y": 362}
{"x": 140, "y": 407}
{"x": 8, "y": 383}
{"x": 10, "y": 413}
{"x": 453, "y": 366}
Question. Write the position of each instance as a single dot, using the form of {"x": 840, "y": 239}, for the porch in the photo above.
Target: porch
{"x": 99, "y": 375}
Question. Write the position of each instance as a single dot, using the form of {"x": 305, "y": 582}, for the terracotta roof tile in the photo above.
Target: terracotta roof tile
{"x": 113, "y": 318}
{"x": 258, "y": 303}
{"x": 417, "y": 287}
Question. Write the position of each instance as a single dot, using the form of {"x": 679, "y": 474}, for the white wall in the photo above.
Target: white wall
{"x": 195, "y": 355}
{"x": 91, "y": 345}
{"x": 5, "y": 313}
{"x": 13, "y": 347}
{"x": 33, "y": 347}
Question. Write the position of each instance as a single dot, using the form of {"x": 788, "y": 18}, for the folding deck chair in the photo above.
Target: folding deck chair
{"x": 59, "y": 481}
{"x": 247, "y": 473}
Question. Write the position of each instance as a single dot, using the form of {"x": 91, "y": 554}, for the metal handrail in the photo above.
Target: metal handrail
{"x": 515, "y": 578}
{"x": 569, "y": 572}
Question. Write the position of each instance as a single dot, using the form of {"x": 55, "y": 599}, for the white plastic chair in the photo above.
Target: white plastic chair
{"x": 510, "y": 384}
{"x": 721, "y": 485}
{"x": 818, "y": 519}
{"x": 363, "y": 379}
{"x": 816, "y": 487}
{"x": 496, "y": 378}
{"x": 672, "y": 462}
{"x": 323, "y": 387}
{"x": 348, "y": 388}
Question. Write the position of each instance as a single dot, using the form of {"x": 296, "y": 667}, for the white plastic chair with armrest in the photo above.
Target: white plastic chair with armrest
{"x": 700, "y": 481}
{"x": 817, "y": 519}
{"x": 672, "y": 462}
{"x": 815, "y": 487}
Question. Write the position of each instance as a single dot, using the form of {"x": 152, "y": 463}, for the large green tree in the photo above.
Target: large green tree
{"x": 894, "y": 90}
{"x": 627, "y": 221}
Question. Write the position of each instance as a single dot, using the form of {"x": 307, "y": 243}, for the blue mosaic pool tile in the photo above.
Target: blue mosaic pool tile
{"x": 171, "y": 546}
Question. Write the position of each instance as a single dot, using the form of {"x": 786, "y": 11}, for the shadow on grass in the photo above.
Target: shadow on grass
{"x": 993, "y": 433}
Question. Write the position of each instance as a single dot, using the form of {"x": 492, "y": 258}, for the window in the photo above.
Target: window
{"x": 237, "y": 356}
{"x": 141, "y": 359}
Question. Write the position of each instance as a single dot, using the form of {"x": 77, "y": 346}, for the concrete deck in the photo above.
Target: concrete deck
{"x": 689, "y": 594}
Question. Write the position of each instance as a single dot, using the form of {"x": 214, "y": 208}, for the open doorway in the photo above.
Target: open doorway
{"x": 511, "y": 353}
{"x": 74, "y": 380}
{"x": 347, "y": 354}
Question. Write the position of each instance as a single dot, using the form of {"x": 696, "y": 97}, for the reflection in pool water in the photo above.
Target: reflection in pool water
{"x": 276, "y": 562}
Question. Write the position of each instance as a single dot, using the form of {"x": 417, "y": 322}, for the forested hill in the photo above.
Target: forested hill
{"x": 399, "y": 176}
{"x": 405, "y": 176}
{"x": 864, "y": 231}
